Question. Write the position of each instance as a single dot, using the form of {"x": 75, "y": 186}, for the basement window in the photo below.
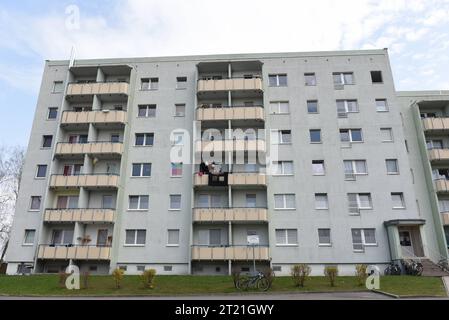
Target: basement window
{"x": 376, "y": 76}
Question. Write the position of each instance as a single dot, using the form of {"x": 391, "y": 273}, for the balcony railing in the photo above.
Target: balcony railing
{"x": 76, "y": 89}
{"x": 206, "y": 112}
{"x": 66, "y": 252}
{"x": 438, "y": 154}
{"x": 442, "y": 185}
{"x": 230, "y": 145}
{"x": 230, "y": 214}
{"x": 97, "y": 148}
{"x": 88, "y": 215}
{"x": 245, "y": 253}
{"x": 234, "y": 84}
{"x": 234, "y": 179}
{"x": 94, "y": 117}
{"x": 438, "y": 124}
{"x": 105, "y": 180}
{"x": 445, "y": 218}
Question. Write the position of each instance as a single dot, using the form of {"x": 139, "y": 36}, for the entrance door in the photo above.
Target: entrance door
{"x": 405, "y": 239}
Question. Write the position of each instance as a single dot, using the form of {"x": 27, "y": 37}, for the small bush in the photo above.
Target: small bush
{"x": 235, "y": 273}
{"x": 62, "y": 279}
{"x": 147, "y": 278}
{"x": 85, "y": 277}
{"x": 360, "y": 273}
{"x": 300, "y": 273}
{"x": 331, "y": 272}
{"x": 118, "y": 275}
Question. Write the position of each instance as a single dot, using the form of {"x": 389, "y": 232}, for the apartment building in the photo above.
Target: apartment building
{"x": 205, "y": 164}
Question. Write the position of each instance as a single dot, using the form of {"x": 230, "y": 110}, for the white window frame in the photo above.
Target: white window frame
{"x": 286, "y": 243}
{"x": 390, "y": 131}
{"x": 31, "y": 202}
{"x": 359, "y": 203}
{"x": 148, "y": 107}
{"x": 278, "y": 107}
{"x": 363, "y": 238}
{"x": 317, "y": 106}
{"x": 141, "y": 169}
{"x": 401, "y": 194}
{"x": 324, "y": 168}
{"x": 397, "y": 166}
{"x": 354, "y": 167}
{"x": 324, "y": 244}
{"x": 284, "y": 200}
{"x": 145, "y": 139}
{"x": 310, "y": 136}
{"x": 29, "y": 244}
{"x": 346, "y": 105}
{"x": 342, "y": 78}
{"x": 282, "y": 165}
{"x": 37, "y": 171}
{"x": 316, "y": 202}
{"x": 184, "y": 83}
{"x": 277, "y": 79}
{"x": 168, "y": 237}
{"x": 350, "y": 135}
{"x": 180, "y": 105}
{"x": 48, "y": 113}
{"x": 174, "y": 141}
{"x": 171, "y": 169}
{"x": 387, "y": 108}
{"x": 309, "y": 74}
{"x": 135, "y": 244}
{"x": 139, "y": 202}
{"x": 170, "y": 202}
{"x": 55, "y": 83}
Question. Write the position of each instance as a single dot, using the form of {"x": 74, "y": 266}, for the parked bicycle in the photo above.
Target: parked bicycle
{"x": 393, "y": 270}
{"x": 444, "y": 265}
{"x": 259, "y": 281}
{"x": 412, "y": 267}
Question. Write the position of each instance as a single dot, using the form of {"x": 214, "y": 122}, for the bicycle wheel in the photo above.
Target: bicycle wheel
{"x": 263, "y": 284}
{"x": 419, "y": 269}
{"x": 242, "y": 284}
{"x": 387, "y": 271}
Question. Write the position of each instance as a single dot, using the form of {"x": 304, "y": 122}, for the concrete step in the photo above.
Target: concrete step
{"x": 431, "y": 269}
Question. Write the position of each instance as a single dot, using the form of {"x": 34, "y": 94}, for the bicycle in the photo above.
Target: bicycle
{"x": 413, "y": 267}
{"x": 444, "y": 265}
{"x": 258, "y": 281}
{"x": 393, "y": 269}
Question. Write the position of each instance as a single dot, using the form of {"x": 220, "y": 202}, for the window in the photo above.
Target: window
{"x": 62, "y": 237}
{"x": 29, "y": 237}
{"x": 434, "y": 144}
{"x": 343, "y": 78}
{"x": 180, "y": 110}
{"x": 52, "y": 113}
{"x": 144, "y": 139}
{"x": 147, "y": 111}
{"x": 347, "y": 106}
{"x": 58, "y": 86}
{"x": 312, "y": 106}
{"x": 281, "y": 136}
{"x": 78, "y": 138}
{"x": 351, "y": 135}
{"x": 210, "y": 201}
{"x": 443, "y": 204}
{"x": 176, "y": 169}
{"x": 72, "y": 169}
{"x": 381, "y": 105}
{"x": 107, "y": 202}
{"x": 318, "y": 168}
{"x": 355, "y": 167}
{"x": 178, "y": 139}
{"x": 362, "y": 238}
{"x": 310, "y": 79}
{"x": 181, "y": 82}
{"x": 41, "y": 171}
{"x": 324, "y": 237}
{"x": 285, "y": 237}
{"x": 140, "y": 268}
{"x": 175, "y": 202}
{"x": 279, "y": 107}
{"x": 277, "y": 80}
{"x": 359, "y": 201}
{"x": 135, "y": 237}
{"x": 392, "y": 166}
{"x": 284, "y": 201}
{"x": 321, "y": 201}
{"x": 283, "y": 167}
{"x": 173, "y": 238}
{"x": 376, "y": 76}
{"x": 425, "y": 115}
{"x": 67, "y": 202}
{"x": 115, "y": 138}
{"x": 168, "y": 268}
{"x": 386, "y": 134}
{"x": 251, "y": 201}
{"x": 149, "y": 83}
{"x": 398, "y": 200}
{"x": 139, "y": 202}
{"x": 141, "y": 170}
{"x": 35, "y": 204}
{"x": 315, "y": 135}
{"x": 47, "y": 141}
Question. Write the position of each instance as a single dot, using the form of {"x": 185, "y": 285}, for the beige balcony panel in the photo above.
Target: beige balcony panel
{"x": 232, "y": 113}
{"x": 247, "y": 179}
{"x": 96, "y": 117}
{"x": 201, "y": 180}
{"x": 442, "y": 186}
{"x": 97, "y": 88}
{"x": 79, "y": 215}
{"x": 76, "y": 252}
{"x": 439, "y": 154}
{"x": 230, "y": 253}
{"x": 435, "y": 124}
{"x": 84, "y": 181}
{"x": 231, "y": 214}
{"x": 230, "y": 84}
{"x": 445, "y": 218}
{"x": 89, "y": 148}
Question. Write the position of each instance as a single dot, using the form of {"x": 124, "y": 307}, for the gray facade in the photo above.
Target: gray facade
{"x": 373, "y": 202}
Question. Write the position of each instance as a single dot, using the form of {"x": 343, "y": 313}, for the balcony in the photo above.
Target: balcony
{"x": 104, "y": 117}
{"x": 234, "y": 84}
{"x": 230, "y": 214}
{"x": 230, "y": 145}
{"x": 100, "y": 88}
{"x": 92, "y": 148}
{"x": 439, "y": 155}
{"x": 234, "y": 179}
{"x": 51, "y": 252}
{"x": 445, "y": 218}
{"x": 244, "y": 253}
{"x": 79, "y": 215}
{"x": 436, "y": 124}
{"x": 93, "y": 181}
{"x": 442, "y": 185}
{"x": 206, "y": 113}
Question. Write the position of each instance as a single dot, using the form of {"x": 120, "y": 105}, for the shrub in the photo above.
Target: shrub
{"x": 269, "y": 275}
{"x": 331, "y": 272}
{"x": 147, "y": 278}
{"x": 62, "y": 279}
{"x": 360, "y": 273}
{"x": 85, "y": 279}
{"x": 118, "y": 274}
{"x": 300, "y": 273}
{"x": 235, "y": 273}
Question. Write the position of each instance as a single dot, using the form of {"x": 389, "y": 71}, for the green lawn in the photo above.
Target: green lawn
{"x": 47, "y": 285}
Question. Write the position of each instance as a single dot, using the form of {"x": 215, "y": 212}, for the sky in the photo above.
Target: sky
{"x": 415, "y": 31}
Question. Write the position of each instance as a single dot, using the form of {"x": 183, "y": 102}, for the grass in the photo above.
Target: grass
{"x": 47, "y": 285}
